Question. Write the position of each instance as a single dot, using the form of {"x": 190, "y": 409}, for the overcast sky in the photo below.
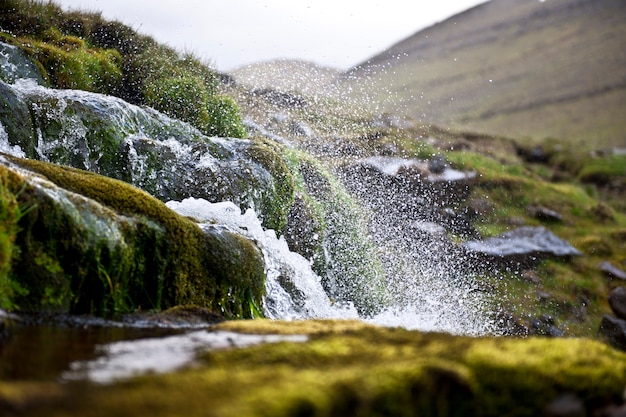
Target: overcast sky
{"x": 232, "y": 33}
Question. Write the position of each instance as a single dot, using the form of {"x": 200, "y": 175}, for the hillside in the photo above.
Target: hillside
{"x": 524, "y": 69}
{"x": 286, "y": 75}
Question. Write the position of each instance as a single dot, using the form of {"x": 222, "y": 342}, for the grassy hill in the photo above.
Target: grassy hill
{"x": 286, "y": 75}
{"x": 524, "y": 69}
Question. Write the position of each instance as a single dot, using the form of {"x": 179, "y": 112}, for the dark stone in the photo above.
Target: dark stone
{"x": 15, "y": 64}
{"x": 612, "y": 271}
{"x": 544, "y": 213}
{"x": 614, "y": 330}
{"x": 16, "y": 121}
{"x": 437, "y": 164}
{"x": 478, "y": 208}
{"x": 617, "y": 301}
{"x": 280, "y": 99}
{"x": 300, "y": 128}
{"x": 545, "y": 326}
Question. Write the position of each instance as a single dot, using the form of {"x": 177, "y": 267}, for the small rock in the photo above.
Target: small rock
{"x": 612, "y": 271}
{"x": 614, "y": 411}
{"x": 567, "y": 405}
{"x": 617, "y": 301}
{"x": 530, "y": 276}
{"x": 545, "y": 325}
{"x": 543, "y": 213}
{"x": 614, "y": 329}
{"x": 437, "y": 164}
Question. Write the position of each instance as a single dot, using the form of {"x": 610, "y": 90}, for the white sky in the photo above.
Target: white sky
{"x": 232, "y": 33}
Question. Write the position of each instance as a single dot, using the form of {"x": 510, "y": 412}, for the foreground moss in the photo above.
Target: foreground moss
{"x": 349, "y": 368}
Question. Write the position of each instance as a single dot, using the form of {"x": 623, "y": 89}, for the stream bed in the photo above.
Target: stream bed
{"x": 92, "y": 349}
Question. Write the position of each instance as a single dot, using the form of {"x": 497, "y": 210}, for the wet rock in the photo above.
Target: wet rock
{"x": 612, "y": 271}
{"x": 523, "y": 246}
{"x": 543, "y": 213}
{"x": 479, "y": 207}
{"x": 617, "y": 301}
{"x": 614, "y": 330}
{"x": 7, "y": 321}
{"x": 17, "y": 133}
{"x": 95, "y": 228}
{"x": 15, "y": 64}
{"x": 409, "y": 183}
{"x": 614, "y": 411}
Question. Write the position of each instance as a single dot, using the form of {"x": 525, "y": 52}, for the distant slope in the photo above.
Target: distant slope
{"x": 522, "y": 68}
{"x": 287, "y": 76}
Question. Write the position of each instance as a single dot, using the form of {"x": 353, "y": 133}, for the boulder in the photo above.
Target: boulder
{"x": 15, "y": 64}
{"x": 617, "y": 301}
{"x": 88, "y": 244}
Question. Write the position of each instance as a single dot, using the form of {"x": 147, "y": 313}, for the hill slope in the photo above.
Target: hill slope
{"x": 286, "y": 75}
{"x": 527, "y": 68}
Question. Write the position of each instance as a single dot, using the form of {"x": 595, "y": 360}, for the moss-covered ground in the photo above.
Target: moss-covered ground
{"x": 352, "y": 369}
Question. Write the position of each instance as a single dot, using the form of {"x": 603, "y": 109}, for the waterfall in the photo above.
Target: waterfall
{"x": 427, "y": 285}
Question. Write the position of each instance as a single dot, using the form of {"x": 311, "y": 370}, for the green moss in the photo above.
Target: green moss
{"x": 224, "y": 118}
{"x": 350, "y": 369}
{"x": 274, "y": 205}
{"x": 69, "y": 63}
{"x": 605, "y": 171}
{"x": 345, "y": 258}
{"x": 180, "y": 97}
{"x": 68, "y": 259}
{"x": 187, "y": 98}
{"x": 11, "y": 211}
{"x": 83, "y": 51}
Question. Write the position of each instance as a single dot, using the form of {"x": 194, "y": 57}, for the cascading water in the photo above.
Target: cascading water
{"x": 284, "y": 269}
{"x": 426, "y": 283}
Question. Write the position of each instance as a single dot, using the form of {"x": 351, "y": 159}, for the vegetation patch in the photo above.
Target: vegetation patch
{"x": 79, "y": 50}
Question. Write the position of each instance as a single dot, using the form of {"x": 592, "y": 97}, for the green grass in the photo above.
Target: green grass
{"x": 81, "y": 50}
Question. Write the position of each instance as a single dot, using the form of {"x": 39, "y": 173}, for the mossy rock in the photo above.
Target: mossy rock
{"x": 343, "y": 254}
{"x": 16, "y": 120}
{"x": 351, "y": 369}
{"x": 15, "y": 64}
{"x": 91, "y": 244}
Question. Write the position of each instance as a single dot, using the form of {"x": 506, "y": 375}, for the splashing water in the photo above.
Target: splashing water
{"x": 426, "y": 295}
{"x": 292, "y": 289}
